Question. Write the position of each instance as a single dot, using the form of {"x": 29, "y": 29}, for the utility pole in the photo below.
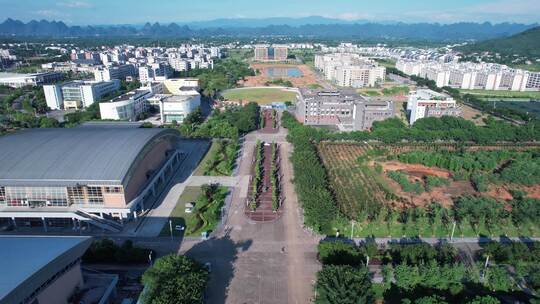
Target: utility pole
{"x": 367, "y": 260}
{"x": 352, "y": 230}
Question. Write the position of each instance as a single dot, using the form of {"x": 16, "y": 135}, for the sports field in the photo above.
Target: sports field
{"x": 260, "y": 95}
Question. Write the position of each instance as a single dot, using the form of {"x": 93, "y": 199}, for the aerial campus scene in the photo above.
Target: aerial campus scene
{"x": 250, "y": 152}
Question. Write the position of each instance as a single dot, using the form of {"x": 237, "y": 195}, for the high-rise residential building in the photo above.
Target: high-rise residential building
{"x": 78, "y": 94}
{"x": 271, "y": 53}
{"x": 350, "y": 70}
{"x": 472, "y": 76}
{"x": 428, "y": 103}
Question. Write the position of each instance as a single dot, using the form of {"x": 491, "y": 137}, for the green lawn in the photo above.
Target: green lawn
{"x": 370, "y": 93}
{"x": 260, "y": 95}
{"x": 205, "y": 216}
{"x": 504, "y": 94}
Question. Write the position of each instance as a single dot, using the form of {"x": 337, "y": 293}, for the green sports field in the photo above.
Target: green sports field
{"x": 260, "y": 95}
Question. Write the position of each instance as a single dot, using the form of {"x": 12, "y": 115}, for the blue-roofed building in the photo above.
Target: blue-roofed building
{"x": 100, "y": 175}
{"x": 43, "y": 270}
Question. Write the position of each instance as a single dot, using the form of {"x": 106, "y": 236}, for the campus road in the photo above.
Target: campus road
{"x": 259, "y": 262}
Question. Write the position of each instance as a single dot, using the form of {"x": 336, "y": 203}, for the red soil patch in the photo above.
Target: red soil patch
{"x": 415, "y": 170}
{"x": 308, "y": 76}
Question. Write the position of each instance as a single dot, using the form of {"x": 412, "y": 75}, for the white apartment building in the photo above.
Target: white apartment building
{"x": 126, "y": 107}
{"x": 114, "y": 72}
{"x": 427, "y": 103}
{"x": 78, "y": 94}
{"x": 350, "y": 70}
{"x": 472, "y": 76}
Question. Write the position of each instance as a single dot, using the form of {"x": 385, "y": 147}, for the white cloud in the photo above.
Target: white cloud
{"x": 48, "y": 13}
{"x": 75, "y": 4}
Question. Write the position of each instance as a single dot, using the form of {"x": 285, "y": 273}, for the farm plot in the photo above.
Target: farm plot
{"x": 420, "y": 190}
{"x": 356, "y": 187}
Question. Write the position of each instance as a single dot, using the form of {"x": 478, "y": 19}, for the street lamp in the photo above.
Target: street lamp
{"x": 170, "y": 229}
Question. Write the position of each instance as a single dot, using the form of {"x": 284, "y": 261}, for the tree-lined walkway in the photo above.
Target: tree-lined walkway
{"x": 264, "y": 210}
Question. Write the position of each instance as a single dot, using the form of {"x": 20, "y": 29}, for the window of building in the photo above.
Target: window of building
{"x": 95, "y": 195}
{"x": 2, "y": 195}
{"x": 76, "y": 195}
{"x": 113, "y": 190}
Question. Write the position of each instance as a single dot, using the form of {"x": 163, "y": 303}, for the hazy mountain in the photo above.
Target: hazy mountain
{"x": 526, "y": 43}
{"x": 318, "y": 27}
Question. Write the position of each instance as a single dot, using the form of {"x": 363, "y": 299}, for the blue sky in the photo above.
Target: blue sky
{"x": 138, "y": 11}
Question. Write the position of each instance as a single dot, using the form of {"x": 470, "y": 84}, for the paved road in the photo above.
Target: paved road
{"x": 259, "y": 262}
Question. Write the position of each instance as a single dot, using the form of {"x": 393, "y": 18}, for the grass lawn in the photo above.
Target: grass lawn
{"x": 504, "y": 94}
{"x": 178, "y": 215}
{"x": 260, "y": 95}
{"x": 370, "y": 93}
{"x": 205, "y": 215}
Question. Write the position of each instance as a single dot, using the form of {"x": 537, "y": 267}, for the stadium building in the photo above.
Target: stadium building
{"x": 101, "y": 175}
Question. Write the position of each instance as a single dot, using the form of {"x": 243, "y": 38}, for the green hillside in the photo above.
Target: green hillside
{"x": 526, "y": 44}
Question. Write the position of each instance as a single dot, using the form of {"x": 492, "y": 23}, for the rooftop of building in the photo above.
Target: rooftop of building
{"x": 129, "y": 95}
{"x": 21, "y": 75}
{"x": 27, "y": 262}
{"x": 67, "y": 157}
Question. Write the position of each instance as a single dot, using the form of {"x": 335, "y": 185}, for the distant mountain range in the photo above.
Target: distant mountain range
{"x": 526, "y": 43}
{"x": 317, "y": 27}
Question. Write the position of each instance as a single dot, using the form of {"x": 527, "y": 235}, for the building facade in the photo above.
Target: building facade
{"x": 100, "y": 175}
{"x": 275, "y": 52}
{"x": 22, "y": 80}
{"x": 344, "y": 109}
{"x": 427, "y": 103}
{"x": 128, "y": 107}
{"x": 350, "y": 70}
{"x": 120, "y": 72}
{"x": 78, "y": 94}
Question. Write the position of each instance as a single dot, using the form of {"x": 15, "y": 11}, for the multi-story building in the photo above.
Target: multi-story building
{"x": 472, "y": 76}
{"x": 154, "y": 72}
{"x": 96, "y": 174}
{"x": 350, "y": 70}
{"x": 176, "y": 98}
{"x": 427, "y": 103}
{"x": 78, "y": 94}
{"x": 120, "y": 72}
{"x": 129, "y": 106}
{"x": 344, "y": 109}
{"x": 271, "y": 53}
{"x": 16, "y": 80}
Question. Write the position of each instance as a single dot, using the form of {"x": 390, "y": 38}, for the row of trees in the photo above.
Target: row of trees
{"x": 230, "y": 123}
{"x": 310, "y": 178}
{"x": 175, "y": 279}
{"x": 258, "y": 174}
{"x": 225, "y": 75}
{"x": 428, "y": 274}
{"x": 274, "y": 178}
{"x": 106, "y": 251}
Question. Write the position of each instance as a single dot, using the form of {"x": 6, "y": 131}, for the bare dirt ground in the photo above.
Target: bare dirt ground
{"x": 473, "y": 115}
{"x": 308, "y": 76}
{"x": 415, "y": 170}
